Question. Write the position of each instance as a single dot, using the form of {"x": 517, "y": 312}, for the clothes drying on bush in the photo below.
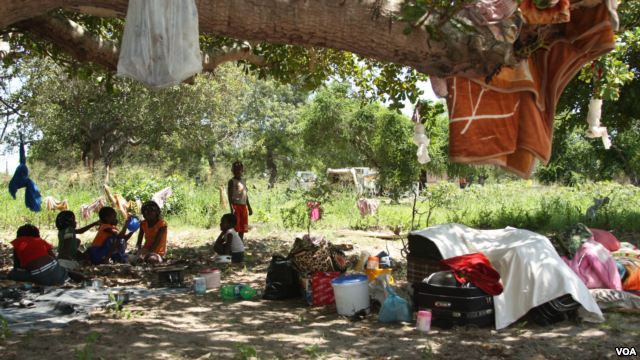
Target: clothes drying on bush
{"x": 94, "y": 207}
{"x": 52, "y": 203}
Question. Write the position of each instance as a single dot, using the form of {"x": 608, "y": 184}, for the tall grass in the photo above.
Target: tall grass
{"x": 521, "y": 204}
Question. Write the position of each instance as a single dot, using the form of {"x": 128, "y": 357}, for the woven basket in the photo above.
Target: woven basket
{"x": 420, "y": 268}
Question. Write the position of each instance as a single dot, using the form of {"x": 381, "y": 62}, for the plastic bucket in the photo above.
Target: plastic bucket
{"x": 352, "y": 294}
{"x": 212, "y": 276}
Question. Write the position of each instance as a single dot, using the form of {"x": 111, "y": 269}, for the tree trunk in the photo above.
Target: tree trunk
{"x": 273, "y": 168}
{"x": 369, "y": 28}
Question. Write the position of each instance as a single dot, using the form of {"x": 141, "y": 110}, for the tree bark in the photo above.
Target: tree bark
{"x": 369, "y": 28}
{"x": 82, "y": 46}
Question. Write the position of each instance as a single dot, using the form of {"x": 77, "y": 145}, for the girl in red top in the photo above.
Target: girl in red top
{"x": 34, "y": 260}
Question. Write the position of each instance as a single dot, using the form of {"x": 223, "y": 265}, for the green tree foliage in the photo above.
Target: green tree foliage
{"x": 344, "y": 130}
{"x": 101, "y": 118}
{"x": 395, "y": 153}
{"x": 272, "y": 135}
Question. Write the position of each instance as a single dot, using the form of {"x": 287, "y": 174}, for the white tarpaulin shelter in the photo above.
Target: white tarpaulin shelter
{"x": 531, "y": 270}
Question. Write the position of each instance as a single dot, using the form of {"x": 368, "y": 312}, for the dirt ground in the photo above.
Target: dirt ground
{"x": 190, "y": 327}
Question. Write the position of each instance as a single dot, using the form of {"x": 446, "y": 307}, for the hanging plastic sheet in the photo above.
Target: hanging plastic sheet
{"x": 160, "y": 45}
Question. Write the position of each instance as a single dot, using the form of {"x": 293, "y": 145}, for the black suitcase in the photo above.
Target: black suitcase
{"x": 422, "y": 247}
{"x": 555, "y": 311}
{"x": 452, "y": 303}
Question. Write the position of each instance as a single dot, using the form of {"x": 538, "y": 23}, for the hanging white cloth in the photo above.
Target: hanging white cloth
{"x": 160, "y": 45}
{"x": 593, "y": 118}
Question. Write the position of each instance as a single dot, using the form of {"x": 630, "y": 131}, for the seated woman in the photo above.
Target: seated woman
{"x": 154, "y": 231}
{"x": 34, "y": 260}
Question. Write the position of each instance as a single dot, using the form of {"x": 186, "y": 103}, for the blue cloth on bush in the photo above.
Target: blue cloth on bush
{"x": 20, "y": 179}
{"x": 394, "y": 308}
{"x": 98, "y": 254}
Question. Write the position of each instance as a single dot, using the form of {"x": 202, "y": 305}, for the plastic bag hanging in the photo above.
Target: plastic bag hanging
{"x": 20, "y": 179}
{"x": 419, "y": 138}
{"x": 593, "y": 118}
{"x": 160, "y": 45}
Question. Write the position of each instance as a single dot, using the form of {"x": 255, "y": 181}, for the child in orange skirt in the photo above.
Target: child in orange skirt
{"x": 239, "y": 199}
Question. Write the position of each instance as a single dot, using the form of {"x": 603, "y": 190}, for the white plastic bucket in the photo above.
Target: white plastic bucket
{"x": 352, "y": 294}
{"x": 212, "y": 276}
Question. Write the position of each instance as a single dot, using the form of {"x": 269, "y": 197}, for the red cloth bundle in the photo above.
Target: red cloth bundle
{"x": 477, "y": 269}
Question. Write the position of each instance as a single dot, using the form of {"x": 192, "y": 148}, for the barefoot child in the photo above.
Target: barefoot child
{"x": 109, "y": 243}
{"x": 68, "y": 243}
{"x": 154, "y": 231}
{"x": 33, "y": 259}
{"x": 229, "y": 242}
{"x": 239, "y": 199}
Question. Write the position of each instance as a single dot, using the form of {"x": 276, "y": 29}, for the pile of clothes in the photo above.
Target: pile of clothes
{"x": 606, "y": 264}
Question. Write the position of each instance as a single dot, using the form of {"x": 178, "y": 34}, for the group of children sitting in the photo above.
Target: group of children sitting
{"x": 34, "y": 259}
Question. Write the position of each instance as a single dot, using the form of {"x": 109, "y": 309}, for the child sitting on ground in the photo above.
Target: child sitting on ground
{"x": 68, "y": 244}
{"x": 34, "y": 260}
{"x": 154, "y": 231}
{"x": 229, "y": 242}
{"x": 109, "y": 243}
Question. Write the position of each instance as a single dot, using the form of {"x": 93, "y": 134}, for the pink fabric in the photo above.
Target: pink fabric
{"x": 606, "y": 239}
{"x": 367, "y": 206}
{"x": 595, "y": 266}
{"x": 315, "y": 212}
{"x": 86, "y": 210}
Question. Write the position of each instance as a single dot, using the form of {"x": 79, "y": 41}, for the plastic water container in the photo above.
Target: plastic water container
{"x": 212, "y": 277}
{"x": 373, "y": 263}
{"x": 133, "y": 224}
{"x": 352, "y": 294}
{"x": 423, "y": 322}
{"x": 199, "y": 285}
{"x": 248, "y": 293}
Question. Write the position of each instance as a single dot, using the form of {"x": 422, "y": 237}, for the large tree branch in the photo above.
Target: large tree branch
{"x": 73, "y": 39}
{"x": 369, "y": 28}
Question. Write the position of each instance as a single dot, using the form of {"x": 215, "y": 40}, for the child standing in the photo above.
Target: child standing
{"x": 109, "y": 243}
{"x": 229, "y": 241}
{"x": 154, "y": 231}
{"x": 68, "y": 243}
{"x": 33, "y": 259}
{"x": 239, "y": 199}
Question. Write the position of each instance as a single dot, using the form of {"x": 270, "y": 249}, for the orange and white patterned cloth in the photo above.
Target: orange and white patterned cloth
{"x": 509, "y": 121}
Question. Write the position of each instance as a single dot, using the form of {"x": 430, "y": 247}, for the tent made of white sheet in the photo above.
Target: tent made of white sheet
{"x": 531, "y": 270}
